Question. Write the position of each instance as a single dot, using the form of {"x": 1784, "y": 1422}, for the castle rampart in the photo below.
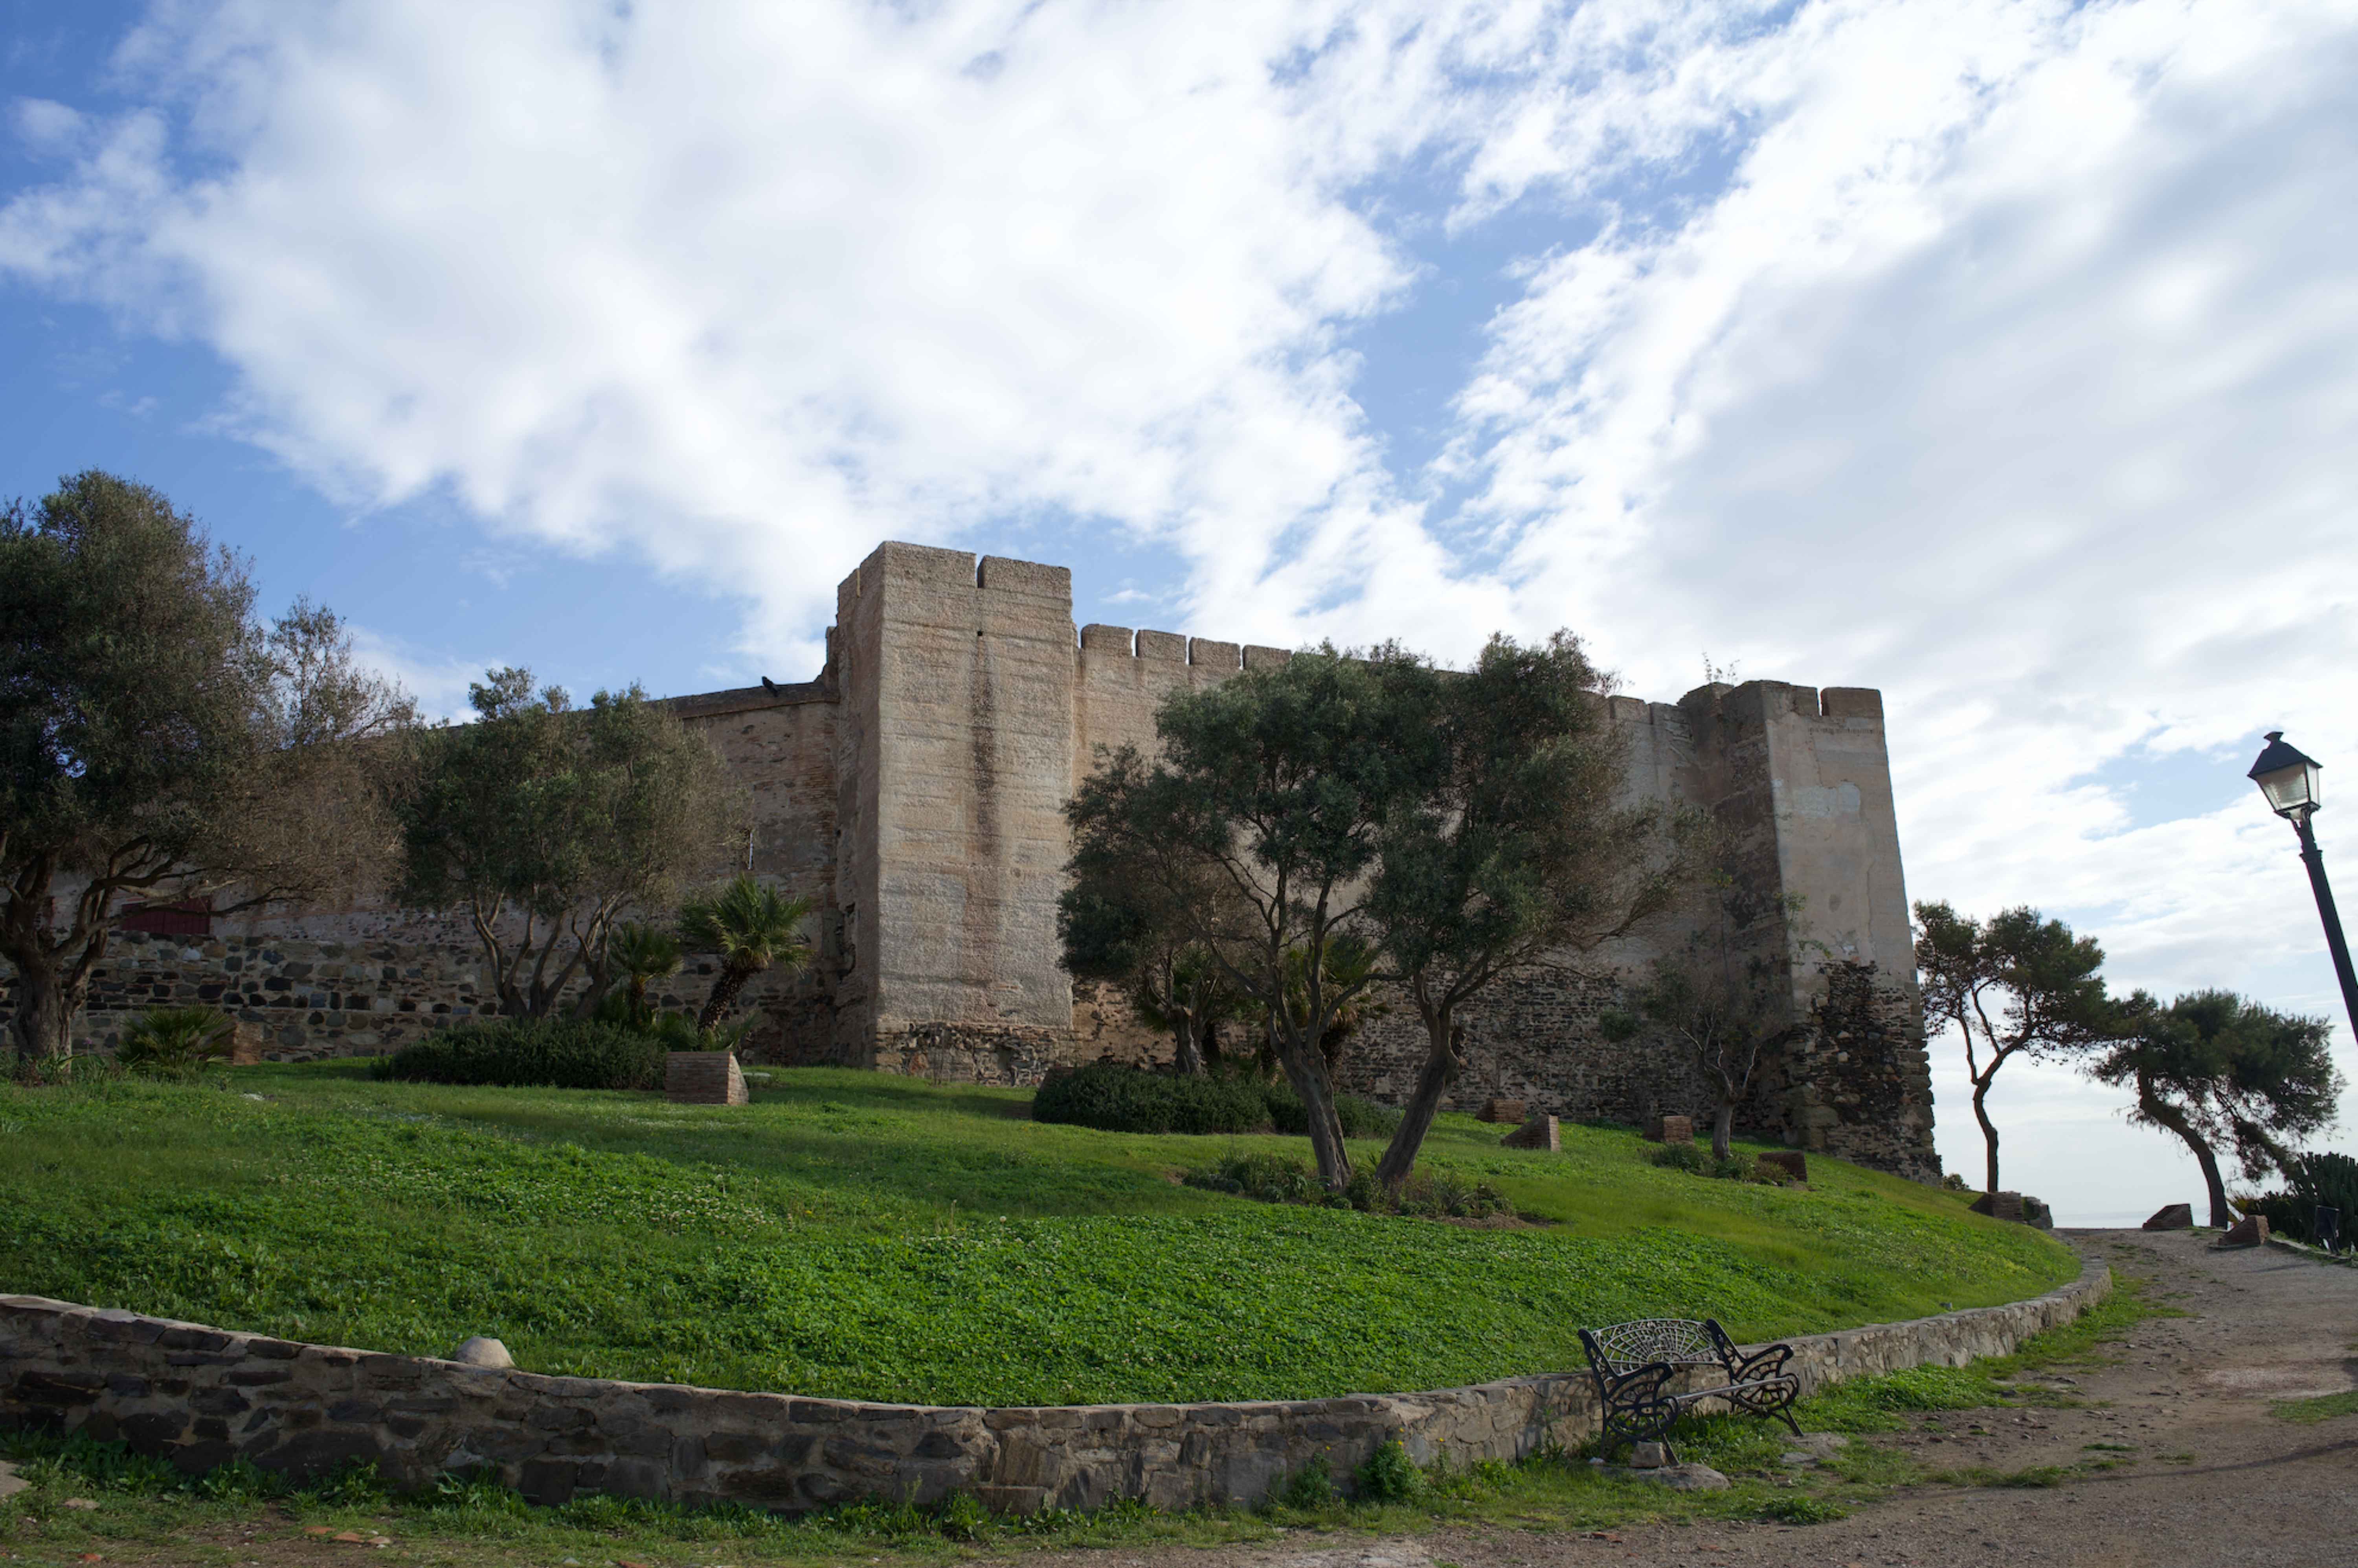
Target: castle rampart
{"x": 915, "y": 791}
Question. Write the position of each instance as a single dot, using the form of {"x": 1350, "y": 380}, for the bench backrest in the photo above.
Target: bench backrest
{"x": 1677, "y": 1341}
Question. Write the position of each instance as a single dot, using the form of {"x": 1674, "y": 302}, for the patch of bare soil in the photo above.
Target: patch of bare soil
{"x": 2202, "y": 1475}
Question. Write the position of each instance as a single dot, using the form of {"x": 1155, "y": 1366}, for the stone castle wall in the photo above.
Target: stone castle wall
{"x": 915, "y": 792}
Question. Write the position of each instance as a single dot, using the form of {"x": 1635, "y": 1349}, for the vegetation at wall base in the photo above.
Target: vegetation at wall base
{"x": 1116, "y": 1098}
{"x": 523, "y": 1052}
{"x": 2323, "y": 1178}
{"x": 855, "y": 1235}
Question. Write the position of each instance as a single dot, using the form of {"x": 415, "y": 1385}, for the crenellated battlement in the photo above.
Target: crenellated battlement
{"x": 1176, "y": 648}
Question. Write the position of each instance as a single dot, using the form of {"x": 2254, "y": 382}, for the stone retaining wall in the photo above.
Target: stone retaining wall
{"x": 199, "y": 1397}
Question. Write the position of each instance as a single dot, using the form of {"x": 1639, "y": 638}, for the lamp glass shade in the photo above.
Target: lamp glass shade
{"x": 2293, "y": 789}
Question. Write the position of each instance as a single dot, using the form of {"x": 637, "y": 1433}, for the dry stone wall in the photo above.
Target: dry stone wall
{"x": 201, "y": 1397}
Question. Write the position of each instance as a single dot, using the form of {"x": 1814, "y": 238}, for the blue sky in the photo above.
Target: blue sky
{"x": 1998, "y": 355}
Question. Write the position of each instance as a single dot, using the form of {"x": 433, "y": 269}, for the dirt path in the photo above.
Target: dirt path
{"x": 2207, "y": 1477}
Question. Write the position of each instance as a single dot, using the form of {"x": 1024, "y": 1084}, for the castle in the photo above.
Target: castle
{"x": 915, "y": 792}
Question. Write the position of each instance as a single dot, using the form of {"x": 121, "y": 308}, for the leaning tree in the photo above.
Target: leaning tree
{"x": 158, "y": 745}
{"x": 2222, "y": 1072}
{"x": 2014, "y": 985}
{"x": 546, "y": 825}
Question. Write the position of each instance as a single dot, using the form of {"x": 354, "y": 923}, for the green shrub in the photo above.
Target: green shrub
{"x": 1271, "y": 1178}
{"x": 522, "y": 1053}
{"x": 1360, "y": 1119}
{"x": 1277, "y": 1178}
{"x": 174, "y": 1041}
{"x": 2322, "y": 1178}
{"x": 1116, "y": 1098}
{"x": 1308, "y": 1488}
{"x": 1389, "y": 1476}
{"x": 1698, "y": 1160}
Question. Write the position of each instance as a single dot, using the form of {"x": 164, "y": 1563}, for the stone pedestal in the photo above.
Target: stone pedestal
{"x": 2252, "y": 1230}
{"x": 703, "y": 1077}
{"x": 1671, "y": 1129}
{"x": 1502, "y": 1110}
{"x": 2172, "y": 1216}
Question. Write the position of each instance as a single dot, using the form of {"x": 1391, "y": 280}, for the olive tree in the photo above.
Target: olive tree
{"x": 1268, "y": 801}
{"x": 159, "y": 745}
{"x": 1521, "y": 849}
{"x": 546, "y": 825}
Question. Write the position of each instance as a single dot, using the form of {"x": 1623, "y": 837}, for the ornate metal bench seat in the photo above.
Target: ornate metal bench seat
{"x": 1633, "y": 1364}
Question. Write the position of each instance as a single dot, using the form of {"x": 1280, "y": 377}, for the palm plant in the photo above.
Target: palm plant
{"x": 751, "y": 927}
{"x": 174, "y": 1041}
{"x": 642, "y": 954}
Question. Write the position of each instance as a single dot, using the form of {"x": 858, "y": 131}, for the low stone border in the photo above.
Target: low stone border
{"x": 201, "y": 1397}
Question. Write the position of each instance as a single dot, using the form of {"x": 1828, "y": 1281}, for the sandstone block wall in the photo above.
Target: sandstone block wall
{"x": 201, "y": 1397}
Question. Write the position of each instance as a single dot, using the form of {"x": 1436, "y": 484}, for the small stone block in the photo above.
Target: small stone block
{"x": 2252, "y": 1230}
{"x": 1690, "y": 1479}
{"x": 10, "y": 1482}
{"x": 2172, "y": 1216}
{"x": 1999, "y": 1205}
{"x": 1671, "y": 1129}
{"x": 703, "y": 1077}
{"x": 481, "y": 1351}
{"x": 1539, "y": 1132}
{"x": 1792, "y": 1162}
{"x": 2036, "y": 1214}
{"x": 1502, "y": 1110}
{"x": 1649, "y": 1456}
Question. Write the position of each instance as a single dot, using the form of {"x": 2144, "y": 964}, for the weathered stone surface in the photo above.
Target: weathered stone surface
{"x": 1649, "y": 1456}
{"x": 1690, "y": 1478}
{"x": 10, "y": 1482}
{"x": 2172, "y": 1216}
{"x": 1507, "y": 1111}
{"x": 1539, "y": 1132}
{"x": 2252, "y": 1230}
{"x": 1671, "y": 1129}
{"x": 1999, "y": 1205}
{"x": 482, "y": 1351}
{"x": 74, "y": 1368}
{"x": 703, "y": 1077}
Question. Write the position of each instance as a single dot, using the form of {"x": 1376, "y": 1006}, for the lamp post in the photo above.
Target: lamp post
{"x": 2293, "y": 788}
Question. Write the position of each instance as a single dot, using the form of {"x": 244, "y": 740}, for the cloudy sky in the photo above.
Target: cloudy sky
{"x": 2004, "y": 356}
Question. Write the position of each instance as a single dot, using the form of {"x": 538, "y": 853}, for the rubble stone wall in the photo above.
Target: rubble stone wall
{"x": 201, "y": 1397}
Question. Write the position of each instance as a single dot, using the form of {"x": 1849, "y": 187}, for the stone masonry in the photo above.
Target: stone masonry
{"x": 201, "y": 1397}
{"x": 914, "y": 791}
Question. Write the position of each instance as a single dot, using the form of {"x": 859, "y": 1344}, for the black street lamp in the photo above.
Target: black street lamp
{"x": 2293, "y": 788}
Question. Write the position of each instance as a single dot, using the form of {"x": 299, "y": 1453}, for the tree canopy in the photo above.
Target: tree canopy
{"x": 159, "y": 745}
{"x": 2221, "y": 1071}
{"x": 1519, "y": 850}
{"x": 546, "y": 825}
{"x": 2014, "y": 985}
{"x": 1334, "y": 824}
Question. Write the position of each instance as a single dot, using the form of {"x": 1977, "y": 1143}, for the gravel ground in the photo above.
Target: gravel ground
{"x": 2205, "y": 1476}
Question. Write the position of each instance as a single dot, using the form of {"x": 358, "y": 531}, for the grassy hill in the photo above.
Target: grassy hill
{"x": 857, "y": 1236}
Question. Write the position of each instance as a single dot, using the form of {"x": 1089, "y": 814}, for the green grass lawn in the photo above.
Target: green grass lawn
{"x": 857, "y": 1236}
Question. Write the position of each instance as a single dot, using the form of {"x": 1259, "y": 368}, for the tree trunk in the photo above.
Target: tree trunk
{"x": 2161, "y": 1113}
{"x": 1305, "y": 1068}
{"x": 1989, "y": 1130}
{"x": 1186, "y": 1058}
{"x": 724, "y": 996}
{"x": 1723, "y": 1129}
{"x": 1443, "y": 1059}
{"x": 41, "y": 1028}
